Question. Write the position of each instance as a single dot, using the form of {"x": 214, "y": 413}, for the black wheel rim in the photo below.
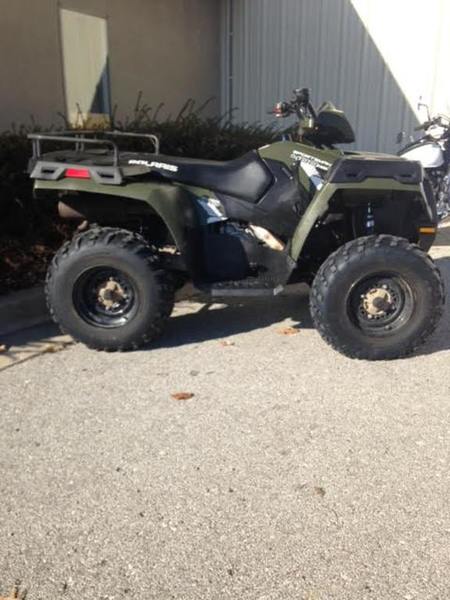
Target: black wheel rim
{"x": 105, "y": 297}
{"x": 380, "y": 305}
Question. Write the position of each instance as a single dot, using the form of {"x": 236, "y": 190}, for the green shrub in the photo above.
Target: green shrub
{"x": 14, "y": 181}
{"x": 191, "y": 134}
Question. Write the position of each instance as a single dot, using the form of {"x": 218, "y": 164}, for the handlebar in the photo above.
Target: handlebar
{"x": 440, "y": 120}
{"x": 299, "y": 105}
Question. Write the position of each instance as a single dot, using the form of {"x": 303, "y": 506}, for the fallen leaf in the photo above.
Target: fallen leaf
{"x": 51, "y": 348}
{"x": 39, "y": 249}
{"x": 288, "y": 330}
{"x": 320, "y": 491}
{"x": 55, "y": 347}
{"x": 182, "y": 395}
{"x": 311, "y": 596}
{"x": 16, "y": 594}
{"x": 226, "y": 343}
{"x": 300, "y": 486}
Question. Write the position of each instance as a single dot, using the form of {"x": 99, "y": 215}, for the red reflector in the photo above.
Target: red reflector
{"x": 78, "y": 173}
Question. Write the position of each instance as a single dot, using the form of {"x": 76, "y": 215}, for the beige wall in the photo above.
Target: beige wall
{"x": 30, "y": 62}
{"x": 169, "y": 49}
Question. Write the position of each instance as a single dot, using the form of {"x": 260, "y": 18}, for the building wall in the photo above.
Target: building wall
{"x": 372, "y": 58}
{"x": 168, "y": 49}
{"x": 30, "y": 63}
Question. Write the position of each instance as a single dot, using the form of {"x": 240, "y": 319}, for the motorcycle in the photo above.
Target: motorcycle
{"x": 432, "y": 150}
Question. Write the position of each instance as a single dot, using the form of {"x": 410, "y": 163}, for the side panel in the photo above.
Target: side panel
{"x": 307, "y": 162}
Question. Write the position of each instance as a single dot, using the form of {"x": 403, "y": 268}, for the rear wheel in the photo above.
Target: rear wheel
{"x": 377, "y": 297}
{"x": 106, "y": 289}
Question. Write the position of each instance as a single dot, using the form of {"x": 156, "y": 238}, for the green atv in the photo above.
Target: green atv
{"x": 355, "y": 226}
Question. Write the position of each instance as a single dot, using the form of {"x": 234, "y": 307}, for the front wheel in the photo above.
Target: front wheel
{"x": 377, "y": 298}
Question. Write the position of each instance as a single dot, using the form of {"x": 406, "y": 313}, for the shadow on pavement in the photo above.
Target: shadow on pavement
{"x": 215, "y": 321}
{"x": 32, "y": 335}
{"x": 28, "y": 343}
{"x": 197, "y": 322}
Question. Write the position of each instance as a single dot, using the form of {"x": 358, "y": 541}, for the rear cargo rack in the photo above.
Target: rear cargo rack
{"x": 42, "y": 167}
{"x": 149, "y": 136}
{"x": 78, "y": 140}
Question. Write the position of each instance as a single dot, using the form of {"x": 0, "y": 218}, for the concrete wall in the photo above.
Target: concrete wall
{"x": 169, "y": 49}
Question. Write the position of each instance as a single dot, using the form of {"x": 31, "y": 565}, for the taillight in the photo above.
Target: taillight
{"x": 78, "y": 173}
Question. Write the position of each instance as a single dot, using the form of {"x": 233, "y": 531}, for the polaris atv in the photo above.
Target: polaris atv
{"x": 355, "y": 226}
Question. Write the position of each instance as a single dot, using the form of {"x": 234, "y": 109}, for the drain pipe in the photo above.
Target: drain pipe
{"x": 230, "y": 57}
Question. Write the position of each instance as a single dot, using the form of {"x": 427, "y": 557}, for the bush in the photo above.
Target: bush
{"x": 29, "y": 236}
{"x": 15, "y": 185}
{"x": 190, "y": 134}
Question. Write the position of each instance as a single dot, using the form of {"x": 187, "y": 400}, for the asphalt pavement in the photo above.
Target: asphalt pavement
{"x": 290, "y": 472}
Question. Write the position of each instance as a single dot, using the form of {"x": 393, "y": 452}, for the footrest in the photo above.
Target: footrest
{"x": 244, "y": 287}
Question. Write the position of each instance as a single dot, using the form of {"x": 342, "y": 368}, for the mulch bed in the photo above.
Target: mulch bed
{"x": 24, "y": 260}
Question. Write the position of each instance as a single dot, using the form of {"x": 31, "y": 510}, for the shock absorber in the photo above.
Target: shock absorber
{"x": 370, "y": 221}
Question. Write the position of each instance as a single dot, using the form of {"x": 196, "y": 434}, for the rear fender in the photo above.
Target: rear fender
{"x": 371, "y": 187}
{"x": 174, "y": 204}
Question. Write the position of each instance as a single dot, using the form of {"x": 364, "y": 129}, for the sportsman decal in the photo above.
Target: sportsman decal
{"x": 312, "y": 167}
{"x": 298, "y": 156}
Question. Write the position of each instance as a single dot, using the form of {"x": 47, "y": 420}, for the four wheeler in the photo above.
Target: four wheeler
{"x": 355, "y": 226}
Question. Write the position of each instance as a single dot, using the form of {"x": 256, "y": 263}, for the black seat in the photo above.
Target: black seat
{"x": 246, "y": 177}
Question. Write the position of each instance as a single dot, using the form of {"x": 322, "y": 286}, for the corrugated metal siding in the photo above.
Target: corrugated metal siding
{"x": 270, "y": 47}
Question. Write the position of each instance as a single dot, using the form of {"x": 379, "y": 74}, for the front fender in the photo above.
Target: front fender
{"x": 321, "y": 202}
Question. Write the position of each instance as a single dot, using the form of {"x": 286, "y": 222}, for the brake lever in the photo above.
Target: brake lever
{"x": 280, "y": 110}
